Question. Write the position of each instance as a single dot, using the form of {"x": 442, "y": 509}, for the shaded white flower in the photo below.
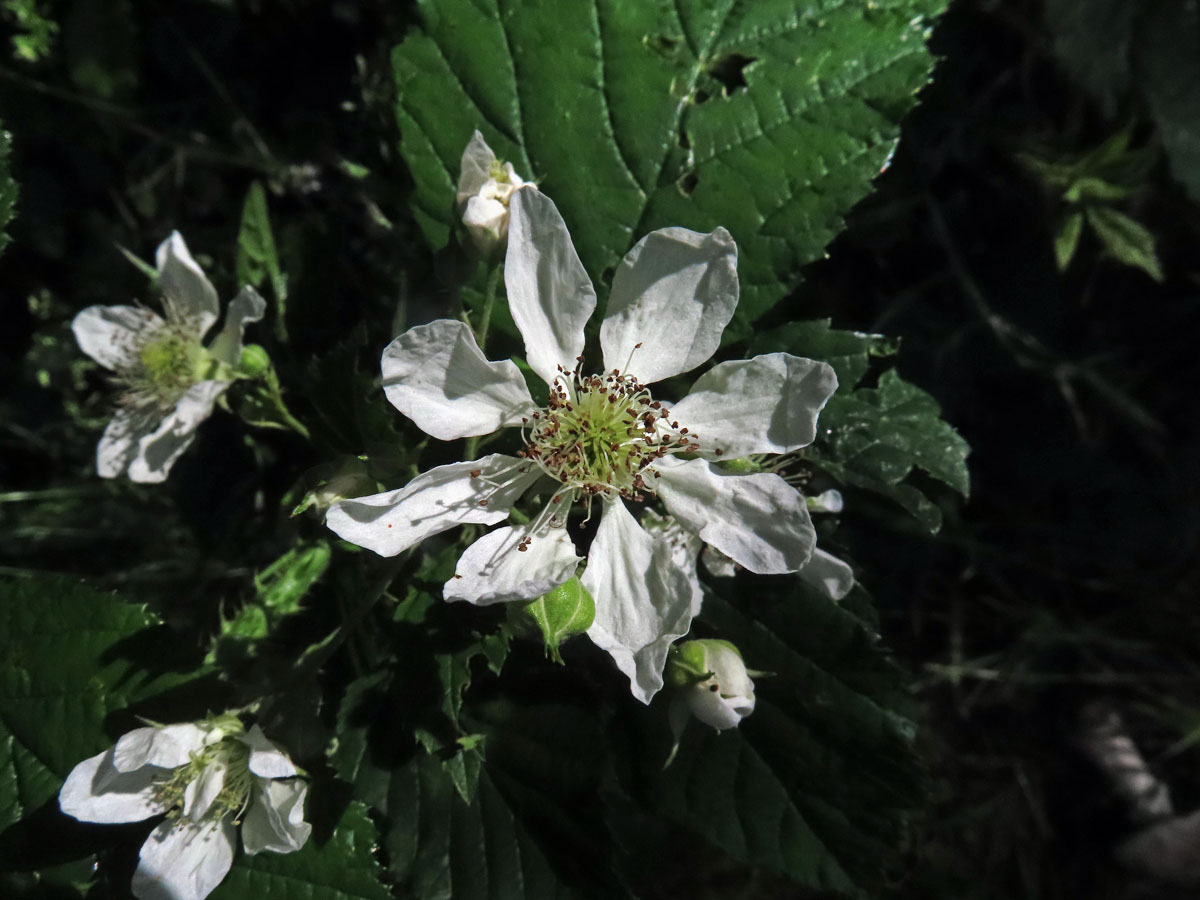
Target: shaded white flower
{"x": 716, "y": 688}
{"x": 169, "y": 379}
{"x": 602, "y": 437}
{"x": 485, "y": 187}
{"x": 205, "y": 776}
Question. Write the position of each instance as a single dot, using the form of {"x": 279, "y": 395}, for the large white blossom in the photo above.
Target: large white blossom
{"x": 205, "y": 776}
{"x": 485, "y": 187}
{"x": 168, "y": 378}
{"x": 602, "y": 438}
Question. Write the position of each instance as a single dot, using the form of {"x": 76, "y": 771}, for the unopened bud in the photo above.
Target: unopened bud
{"x": 254, "y": 361}
{"x": 485, "y": 187}
{"x": 829, "y": 501}
{"x": 713, "y": 680}
{"x": 343, "y": 478}
{"x": 564, "y": 612}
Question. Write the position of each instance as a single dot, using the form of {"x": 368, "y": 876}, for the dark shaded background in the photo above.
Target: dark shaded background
{"x": 1070, "y": 577}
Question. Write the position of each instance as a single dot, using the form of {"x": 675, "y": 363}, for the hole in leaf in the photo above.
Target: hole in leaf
{"x": 700, "y": 96}
{"x": 684, "y": 141}
{"x": 687, "y": 183}
{"x": 730, "y": 70}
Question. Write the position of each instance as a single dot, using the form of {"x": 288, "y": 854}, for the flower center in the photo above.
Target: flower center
{"x": 169, "y": 361}
{"x": 598, "y": 433}
{"x": 230, "y": 753}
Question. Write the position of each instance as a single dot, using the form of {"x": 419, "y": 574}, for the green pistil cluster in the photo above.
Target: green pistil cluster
{"x": 167, "y": 361}
{"x": 599, "y": 437}
{"x": 497, "y": 172}
{"x": 229, "y": 752}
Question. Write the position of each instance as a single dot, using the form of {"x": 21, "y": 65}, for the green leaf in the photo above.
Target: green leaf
{"x": 445, "y": 844}
{"x": 37, "y": 33}
{"x": 874, "y": 438}
{"x": 1126, "y": 240}
{"x": 8, "y": 188}
{"x": 1067, "y": 240}
{"x": 61, "y": 676}
{"x": 280, "y": 590}
{"x": 343, "y": 867}
{"x": 1169, "y": 74}
{"x": 769, "y": 119}
{"x": 849, "y": 352}
{"x": 257, "y": 258}
{"x": 818, "y": 784}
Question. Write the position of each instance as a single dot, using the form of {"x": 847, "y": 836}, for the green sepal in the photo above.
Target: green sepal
{"x": 562, "y": 613}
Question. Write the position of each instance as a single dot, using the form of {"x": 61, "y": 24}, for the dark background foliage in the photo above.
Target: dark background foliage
{"x": 1069, "y": 579}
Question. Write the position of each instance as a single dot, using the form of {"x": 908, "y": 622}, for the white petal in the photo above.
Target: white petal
{"x": 158, "y": 451}
{"x": 493, "y": 570}
{"x": 184, "y": 862}
{"x": 827, "y": 573}
{"x": 437, "y": 376}
{"x": 729, "y": 669}
{"x": 672, "y": 296}
{"x": 166, "y": 747}
{"x": 201, "y": 791}
{"x": 266, "y": 760}
{"x": 433, "y": 502}
{"x": 486, "y": 219}
{"x": 118, "y": 445}
{"x": 713, "y": 709}
{"x": 549, "y": 293}
{"x": 247, "y": 306}
{"x": 275, "y": 819}
{"x": 768, "y": 404}
{"x": 760, "y": 521}
{"x": 187, "y": 293}
{"x": 96, "y": 792}
{"x": 476, "y": 169}
{"x": 644, "y": 597}
{"x": 109, "y": 334}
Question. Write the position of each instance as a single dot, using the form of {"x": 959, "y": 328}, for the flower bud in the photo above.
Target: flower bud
{"x": 564, "y": 612}
{"x": 485, "y": 186}
{"x": 829, "y": 501}
{"x": 334, "y": 481}
{"x": 254, "y": 361}
{"x": 715, "y": 684}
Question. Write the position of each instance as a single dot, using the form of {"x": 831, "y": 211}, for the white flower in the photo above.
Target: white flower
{"x": 485, "y": 187}
{"x": 602, "y": 437}
{"x": 205, "y": 776}
{"x": 169, "y": 379}
{"x": 726, "y": 695}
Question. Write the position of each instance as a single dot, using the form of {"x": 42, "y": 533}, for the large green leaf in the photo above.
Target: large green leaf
{"x": 873, "y": 438}
{"x": 541, "y": 772}
{"x": 340, "y": 868}
{"x": 769, "y": 118}
{"x": 62, "y": 673}
{"x": 818, "y": 784}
